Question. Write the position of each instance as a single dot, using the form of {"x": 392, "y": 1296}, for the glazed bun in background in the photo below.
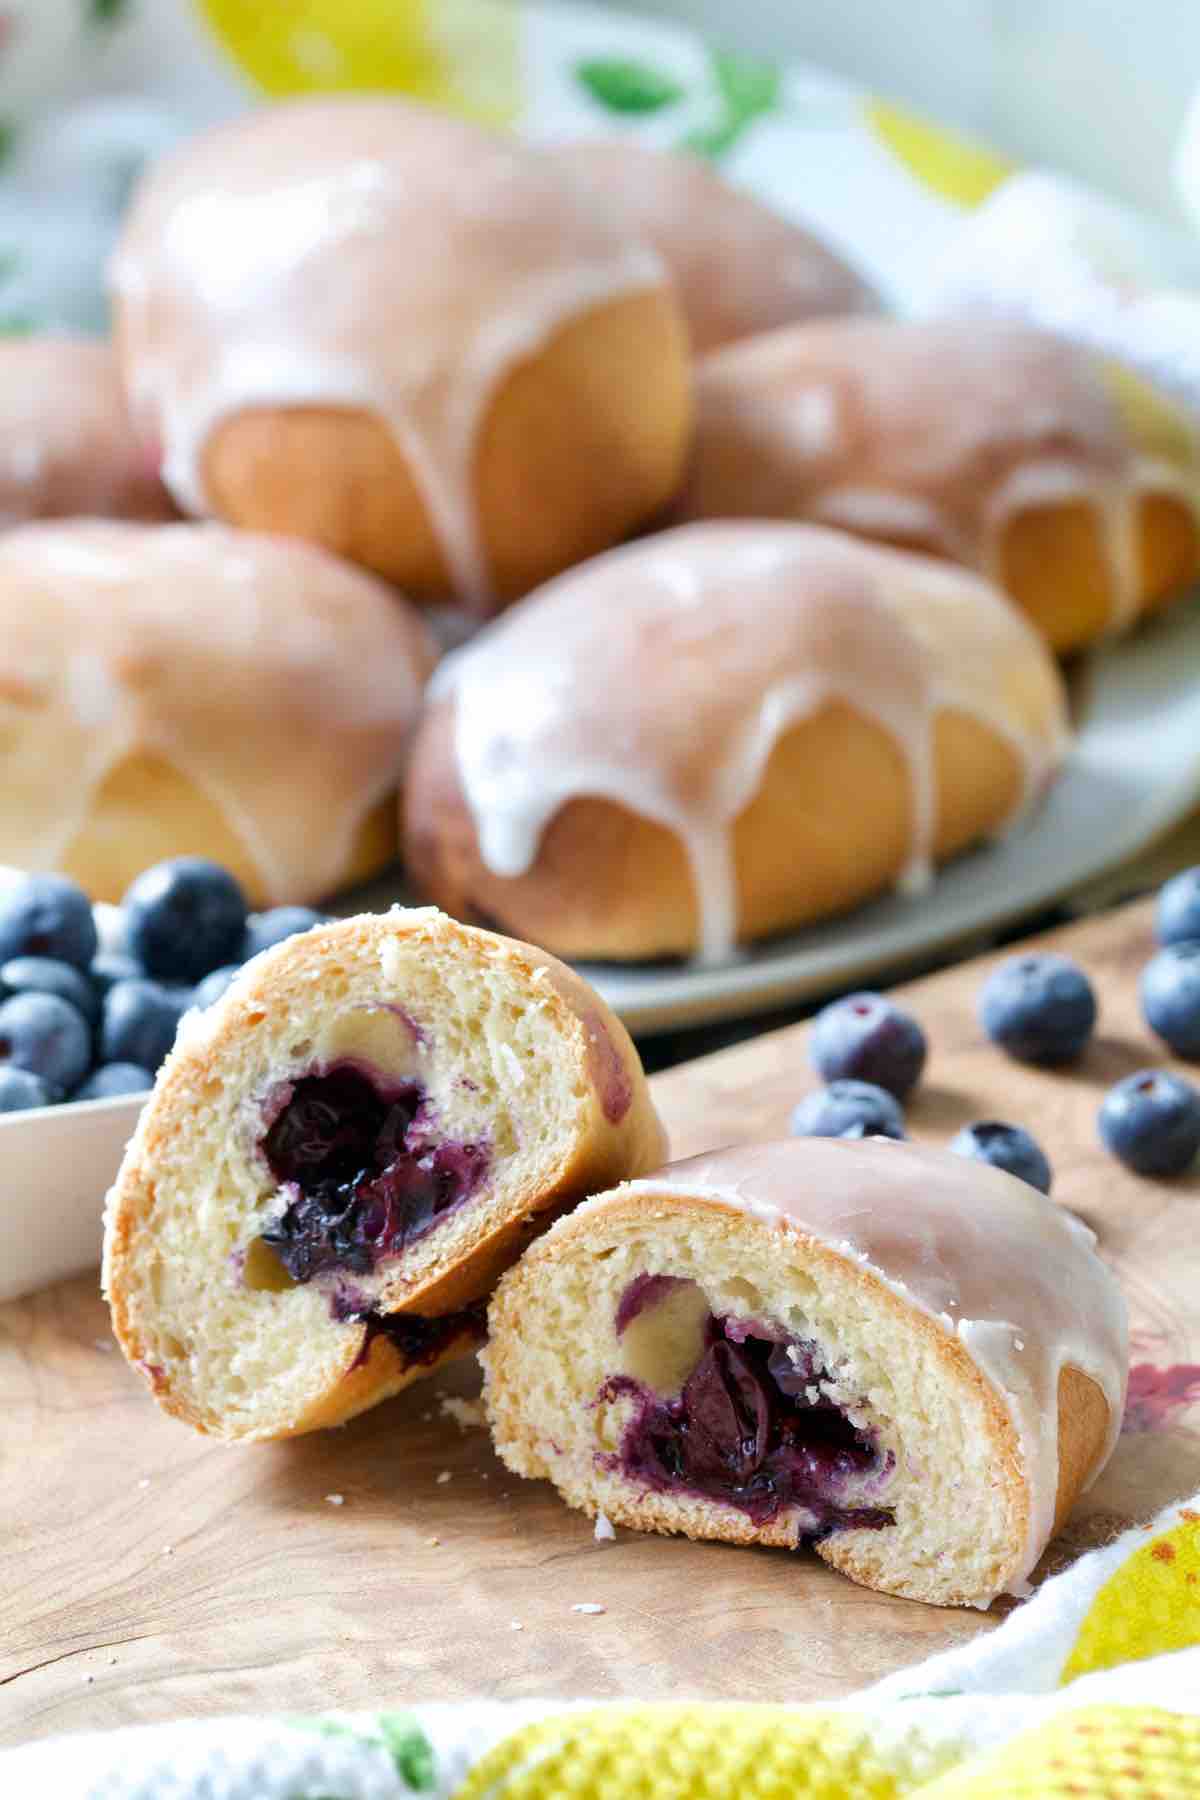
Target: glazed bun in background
{"x": 66, "y": 442}
{"x": 171, "y": 689}
{"x": 738, "y": 266}
{"x": 1001, "y": 447}
{"x": 722, "y": 732}
{"x": 391, "y": 333}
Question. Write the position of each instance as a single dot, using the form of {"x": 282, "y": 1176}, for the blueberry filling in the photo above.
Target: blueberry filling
{"x": 418, "y": 1339}
{"x": 364, "y": 1174}
{"x": 744, "y": 1430}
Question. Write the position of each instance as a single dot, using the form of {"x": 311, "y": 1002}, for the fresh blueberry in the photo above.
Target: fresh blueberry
{"x": 112, "y": 966}
{"x": 267, "y": 928}
{"x": 114, "y": 1078}
{"x": 210, "y": 990}
{"x": 1007, "y": 1147}
{"x": 1151, "y": 1121}
{"x": 1039, "y": 1007}
{"x": 20, "y": 1090}
{"x": 139, "y": 1023}
{"x": 47, "y": 1036}
{"x": 47, "y": 915}
{"x": 46, "y": 975}
{"x": 1171, "y": 996}
{"x": 868, "y": 1038}
{"x": 1179, "y": 908}
{"x": 852, "y": 1109}
{"x": 185, "y": 918}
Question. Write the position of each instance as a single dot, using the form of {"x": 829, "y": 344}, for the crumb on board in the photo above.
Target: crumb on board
{"x": 168, "y": 1549}
{"x": 467, "y": 1414}
{"x": 335, "y": 1499}
{"x": 104, "y": 1345}
{"x": 588, "y": 1606}
{"x": 604, "y": 1533}
{"x": 443, "y": 1477}
{"x": 433, "y": 1542}
{"x": 515, "y": 1625}
{"x": 144, "y": 1482}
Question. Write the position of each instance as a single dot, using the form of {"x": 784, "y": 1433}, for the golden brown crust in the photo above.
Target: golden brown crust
{"x": 1082, "y": 1422}
{"x": 583, "y": 442}
{"x": 829, "y": 827}
{"x": 618, "y": 1135}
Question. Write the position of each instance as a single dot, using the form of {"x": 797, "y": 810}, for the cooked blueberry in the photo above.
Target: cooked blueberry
{"x": 185, "y": 918}
{"x": 138, "y": 1024}
{"x": 1171, "y": 996}
{"x": 853, "y": 1109}
{"x": 1179, "y": 908}
{"x": 114, "y": 1078}
{"x": 46, "y": 1036}
{"x": 20, "y": 1090}
{"x": 267, "y": 928}
{"x": 112, "y": 966}
{"x": 868, "y": 1038}
{"x": 210, "y": 990}
{"x": 47, "y": 915}
{"x": 1007, "y": 1147}
{"x": 46, "y": 975}
{"x": 1039, "y": 1007}
{"x": 1151, "y": 1121}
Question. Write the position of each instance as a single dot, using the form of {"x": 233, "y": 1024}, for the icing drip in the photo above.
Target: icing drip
{"x": 662, "y": 676}
{"x": 359, "y": 254}
{"x": 936, "y": 435}
{"x": 256, "y": 667}
{"x": 1013, "y": 1276}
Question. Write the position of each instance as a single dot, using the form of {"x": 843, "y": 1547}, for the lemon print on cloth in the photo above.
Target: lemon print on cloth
{"x": 460, "y": 54}
{"x": 1155, "y": 423}
{"x": 946, "y": 164}
{"x": 1096, "y": 1753}
{"x": 702, "y": 1753}
{"x": 1150, "y": 1606}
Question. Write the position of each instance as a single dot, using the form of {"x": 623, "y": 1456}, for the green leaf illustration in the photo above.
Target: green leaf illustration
{"x": 626, "y": 86}
{"x": 746, "y": 88}
{"x": 8, "y": 137}
{"x": 409, "y": 1749}
{"x": 107, "y": 12}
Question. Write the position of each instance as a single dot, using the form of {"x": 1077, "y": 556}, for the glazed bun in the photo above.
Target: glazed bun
{"x": 1001, "y": 447}
{"x": 722, "y": 732}
{"x": 738, "y": 267}
{"x": 66, "y": 442}
{"x": 914, "y": 1362}
{"x": 386, "y": 331}
{"x": 172, "y": 689}
{"x": 341, "y": 1156}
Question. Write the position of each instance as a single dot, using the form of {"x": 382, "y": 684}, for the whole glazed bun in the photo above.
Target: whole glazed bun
{"x": 915, "y": 1362}
{"x": 1004, "y": 448}
{"x": 172, "y": 689}
{"x": 341, "y": 1156}
{"x": 739, "y": 267}
{"x": 67, "y": 446}
{"x": 389, "y": 332}
{"x": 721, "y": 732}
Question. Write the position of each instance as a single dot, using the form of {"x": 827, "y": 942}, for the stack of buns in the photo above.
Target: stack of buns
{"x": 458, "y": 373}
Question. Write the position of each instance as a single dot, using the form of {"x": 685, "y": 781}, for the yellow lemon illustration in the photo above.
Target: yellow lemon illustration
{"x": 1096, "y": 1753}
{"x": 1150, "y": 1606}
{"x": 1156, "y": 424}
{"x": 948, "y": 165}
{"x": 460, "y": 54}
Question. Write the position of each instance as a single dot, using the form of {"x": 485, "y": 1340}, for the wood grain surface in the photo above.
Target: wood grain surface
{"x": 146, "y": 1573}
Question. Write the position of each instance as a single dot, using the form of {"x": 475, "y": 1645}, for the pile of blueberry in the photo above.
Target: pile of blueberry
{"x": 81, "y": 1023}
{"x": 1040, "y": 1008}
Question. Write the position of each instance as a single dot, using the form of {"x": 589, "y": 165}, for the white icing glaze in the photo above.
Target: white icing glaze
{"x": 1014, "y": 1277}
{"x": 366, "y": 254}
{"x": 662, "y": 675}
{"x": 942, "y": 433}
{"x": 259, "y": 668}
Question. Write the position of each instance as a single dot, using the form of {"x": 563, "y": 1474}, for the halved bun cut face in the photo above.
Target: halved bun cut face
{"x": 341, "y": 1156}
{"x": 913, "y": 1362}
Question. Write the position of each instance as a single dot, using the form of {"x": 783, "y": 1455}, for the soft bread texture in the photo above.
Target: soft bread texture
{"x": 365, "y": 324}
{"x": 1014, "y": 452}
{"x": 189, "y": 689}
{"x": 745, "y": 727}
{"x": 511, "y": 1047}
{"x": 67, "y": 446}
{"x": 738, "y": 267}
{"x": 974, "y": 1503}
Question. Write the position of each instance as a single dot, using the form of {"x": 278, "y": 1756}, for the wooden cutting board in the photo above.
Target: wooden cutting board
{"x": 147, "y": 1574}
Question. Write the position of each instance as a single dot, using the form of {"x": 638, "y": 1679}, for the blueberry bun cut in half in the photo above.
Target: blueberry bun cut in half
{"x": 341, "y": 1156}
{"x": 912, "y": 1362}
